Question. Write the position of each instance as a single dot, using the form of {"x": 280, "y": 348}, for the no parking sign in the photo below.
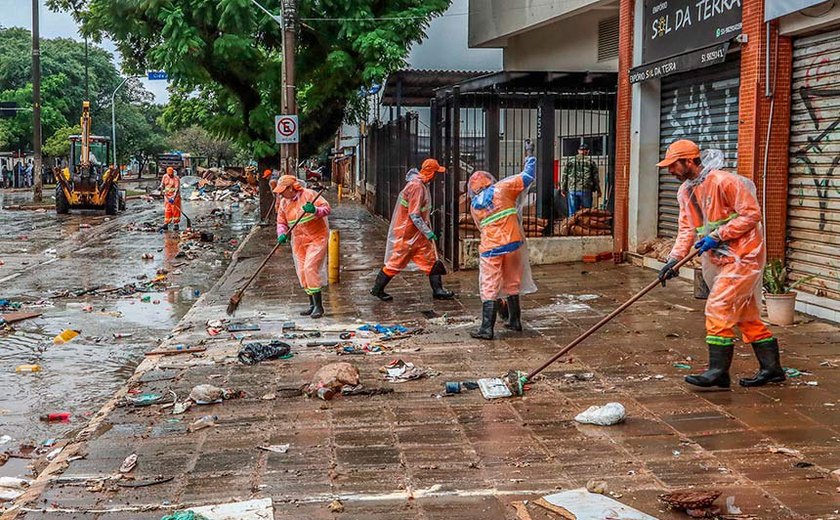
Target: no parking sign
{"x": 286, "y": 129}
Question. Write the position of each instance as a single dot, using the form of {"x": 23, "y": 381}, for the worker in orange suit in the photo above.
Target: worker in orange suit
{"x": 310, "y": 237}
{"x": 171, "y": 187}
{"x": 503, "y": 268}
{"x": 410, "y": 237}
{"x": 719, "y": 214}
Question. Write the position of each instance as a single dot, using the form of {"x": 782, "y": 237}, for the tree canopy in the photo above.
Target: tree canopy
{"x": 230, "y": 53}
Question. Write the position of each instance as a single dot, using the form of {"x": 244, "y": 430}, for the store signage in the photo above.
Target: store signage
{"x": 673, "y": 27}
{"x": 688, "y": 61}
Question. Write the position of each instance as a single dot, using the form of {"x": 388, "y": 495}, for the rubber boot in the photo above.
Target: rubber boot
{"x": 720, "y": 358}
{"x": 503, "y": 308}
{"x": 378, "y": 290}
{"x": 438, "y": 292}
{"x": 318, "y": 306}
{"x": 488, "y": 320}
{"x": 769, "y": 366}
{"x": 515, "y": 320}
{"x": 311, "y": 308}
{"x": 177, "y": 227}
{"x": 163, "y": 228}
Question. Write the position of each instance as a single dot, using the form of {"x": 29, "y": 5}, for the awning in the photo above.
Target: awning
{"x": 775, "y": 8}
{"x": 698, "y": 59}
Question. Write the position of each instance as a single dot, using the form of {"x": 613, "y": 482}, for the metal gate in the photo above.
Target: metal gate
{"x": 813, "y": 193}
{"x": 700, "y": 105}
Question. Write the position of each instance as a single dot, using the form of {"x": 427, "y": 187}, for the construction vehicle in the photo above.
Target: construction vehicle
{"x": 88, "y": 183}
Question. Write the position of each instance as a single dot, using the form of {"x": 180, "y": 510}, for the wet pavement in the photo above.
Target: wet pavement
{"x": 45, "y": 254}
{"x": 417, "y": 453}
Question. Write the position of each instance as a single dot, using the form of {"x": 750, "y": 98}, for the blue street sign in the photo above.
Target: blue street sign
{"x": 157, "y": 74}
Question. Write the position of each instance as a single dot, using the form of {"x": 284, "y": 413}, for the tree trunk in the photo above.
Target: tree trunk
{"x": 266, "y": 196}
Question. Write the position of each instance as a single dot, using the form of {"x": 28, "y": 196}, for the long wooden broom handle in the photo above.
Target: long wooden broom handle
{"x": 606, "y": 320}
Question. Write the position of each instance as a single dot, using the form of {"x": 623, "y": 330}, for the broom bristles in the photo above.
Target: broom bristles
{"x": 234, "y": 303}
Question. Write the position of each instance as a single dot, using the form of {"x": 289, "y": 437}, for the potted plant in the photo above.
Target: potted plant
{"x": 778, "y": 294}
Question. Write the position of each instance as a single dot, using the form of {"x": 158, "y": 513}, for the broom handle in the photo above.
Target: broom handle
{"x": 606, "y": 319}
{"x": 276, "y": 246}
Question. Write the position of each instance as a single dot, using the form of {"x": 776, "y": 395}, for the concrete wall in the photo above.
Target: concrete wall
{"x": 570, "y": 44}
{"x": 551, "y": 250}
{"x": 493, "y": 21}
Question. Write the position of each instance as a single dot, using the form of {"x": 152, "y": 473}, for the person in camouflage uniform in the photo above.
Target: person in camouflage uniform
{"x": 580, "y": 180}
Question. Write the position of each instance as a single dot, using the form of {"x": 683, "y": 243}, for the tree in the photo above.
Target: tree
{"x": 58, "y": 144}
{"x": 230, "y": 53}
{"x": 196, "y": 140}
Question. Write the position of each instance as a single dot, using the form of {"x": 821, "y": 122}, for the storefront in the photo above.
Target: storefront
{"x": 690, "y": 48}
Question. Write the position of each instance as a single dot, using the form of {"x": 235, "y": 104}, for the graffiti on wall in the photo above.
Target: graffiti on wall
{"x": 826, "y": 128}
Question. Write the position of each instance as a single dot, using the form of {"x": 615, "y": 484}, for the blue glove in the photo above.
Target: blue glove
{"x": 172, "y": 201}
{"x": 706, "y": 243}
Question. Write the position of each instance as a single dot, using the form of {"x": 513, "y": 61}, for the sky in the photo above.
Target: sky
{"x": 445, "y": 48}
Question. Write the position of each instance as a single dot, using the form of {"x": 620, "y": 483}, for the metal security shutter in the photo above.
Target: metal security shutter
{"x": 813, "y": 191}
{"x": 701, "y": 105}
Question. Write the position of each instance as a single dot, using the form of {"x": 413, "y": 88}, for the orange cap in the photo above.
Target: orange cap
{"x": 429, "y": 168}
{"x": 170, "y": 170}
{"x": 285, "y": 181}
{"x": 266, "y": 174}
{"x": 680, "y": 149}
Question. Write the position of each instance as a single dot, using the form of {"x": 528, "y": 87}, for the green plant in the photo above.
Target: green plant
{"x": 775, "y": 278}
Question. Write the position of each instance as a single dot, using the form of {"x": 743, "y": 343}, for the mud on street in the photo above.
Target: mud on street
{"x": 68, "y": 267}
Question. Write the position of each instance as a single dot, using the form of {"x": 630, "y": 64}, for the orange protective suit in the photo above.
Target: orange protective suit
{"x": 503, "y": 266}
{"x": 724, "y": 204}
{"x": 310, "y": 238}
{"x": 408, "y": 235}
{"x": 171, "y": 186}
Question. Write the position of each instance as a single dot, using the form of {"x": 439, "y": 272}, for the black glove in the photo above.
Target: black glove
{"x": 667, "y": 272}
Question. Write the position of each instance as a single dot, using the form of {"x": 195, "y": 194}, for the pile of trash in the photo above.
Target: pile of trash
{"x": 586, "y": 222}
{"x": 234, "y": 184}
{"x": 660, "y": 248}
{"x": 9, "y": 305}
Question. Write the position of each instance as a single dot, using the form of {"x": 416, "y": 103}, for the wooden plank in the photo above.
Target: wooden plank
{"x": 174, "y": 351}
{"x": 14, "y": 317}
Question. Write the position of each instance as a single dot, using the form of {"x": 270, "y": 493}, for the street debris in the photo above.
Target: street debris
{"x": 607, "y": 415}
{"x": 204, "y": 422}
{"x": 785, "y": 451}
{"x": 731, "y": 508}
{"x": 129, "y": 463}
{"x": 11, "y": 488}
{"x": 581, "y": 504}
{"x": 275, "y": 448}
{"x": 697, "y": 503}
{"x": 597, "y": 486}
{"x": 209, "y": 394}
{"x": 65, "y": 336}
{"x": 493, "y": 388}
{"x": 28, "y": 368}
{"x": 184, "y": 515}
{"x": 399, "y": 371}
{"x": 253, "y": 353}
{"x": 336, "y": 506}
{"x": 56, "y": 417}
{"x": 329, "y": 380}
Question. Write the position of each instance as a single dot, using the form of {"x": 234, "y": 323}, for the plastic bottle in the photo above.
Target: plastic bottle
{"x": 205, "y": 422}
{"x": 58, "y": 416}
{"x": 28, "y": 368}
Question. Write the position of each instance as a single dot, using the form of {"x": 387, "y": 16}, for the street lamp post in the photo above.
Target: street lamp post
{"x": 114, "y": 119}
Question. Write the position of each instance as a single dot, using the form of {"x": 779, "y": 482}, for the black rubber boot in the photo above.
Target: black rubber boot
{"x": 378, "y": 290}
{"x": 163, "y": 228}
{"x": 515, "y": 320}
{"x": 769, "y": 365}
{"x": 503, "y": 308}
{"x": 488, "y": 320}
{"x": 720, "y": 358}
{"x": 318, "y": 306}
{"x": 438, "y": 292}
{"x": 177, "y": 227}
{"x": 311, "y": 308}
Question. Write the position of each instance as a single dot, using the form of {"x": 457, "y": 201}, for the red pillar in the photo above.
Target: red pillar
{"x": 622, "y": 138}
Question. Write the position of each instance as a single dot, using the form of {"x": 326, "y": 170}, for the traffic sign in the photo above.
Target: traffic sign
{"x": 157, "y": 74}
{"x": 286, "y": 129}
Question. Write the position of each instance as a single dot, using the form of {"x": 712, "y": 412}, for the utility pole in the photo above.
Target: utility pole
{"x": 36, "y": 104}
{"x": 289, "y": 152}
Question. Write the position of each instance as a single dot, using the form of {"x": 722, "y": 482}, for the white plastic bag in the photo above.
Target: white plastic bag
{"x": 607, "y": 415}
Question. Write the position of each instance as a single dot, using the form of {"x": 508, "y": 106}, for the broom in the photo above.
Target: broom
{"x": 235, "y": 300}
{"x": 517, "y": 380}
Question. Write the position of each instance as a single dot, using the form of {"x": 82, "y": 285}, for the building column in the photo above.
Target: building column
{"x": 622, "y": 137}
{"x": 756, "y": 108}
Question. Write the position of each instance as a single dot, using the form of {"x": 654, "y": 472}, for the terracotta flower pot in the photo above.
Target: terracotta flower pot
{"x": 781, "y": 308}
